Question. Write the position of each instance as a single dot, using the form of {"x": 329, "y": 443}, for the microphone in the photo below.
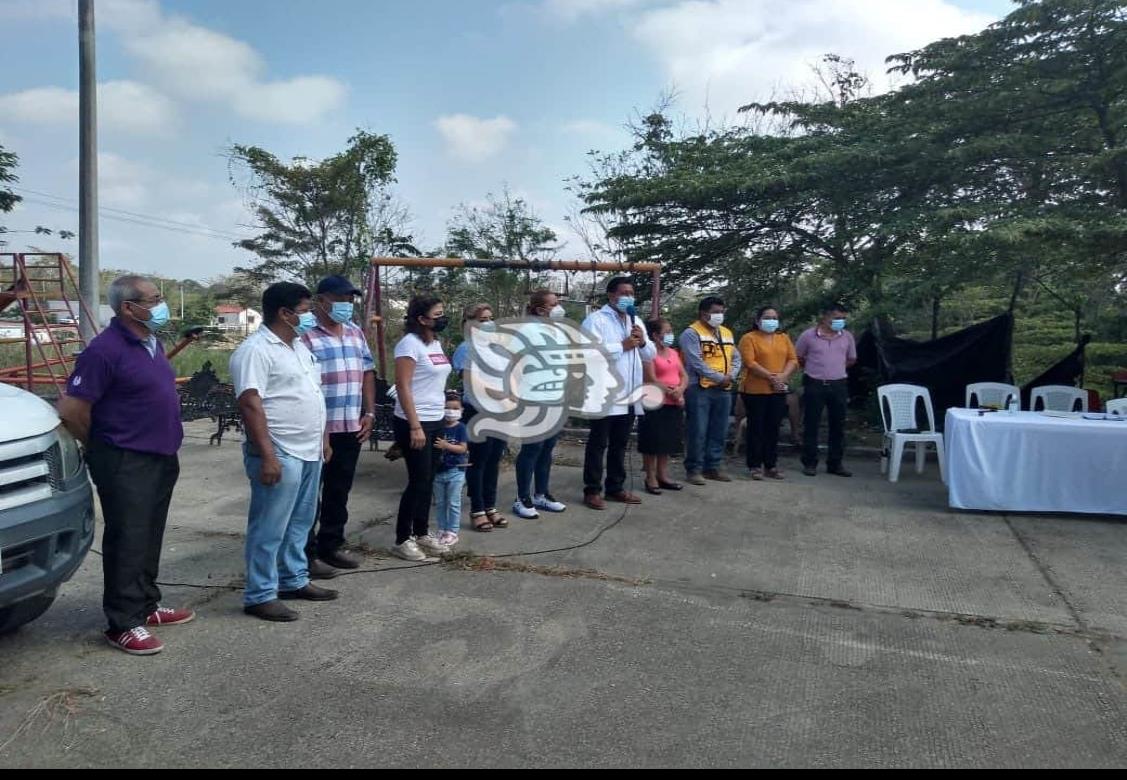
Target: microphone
{"x": 632, "y": 312}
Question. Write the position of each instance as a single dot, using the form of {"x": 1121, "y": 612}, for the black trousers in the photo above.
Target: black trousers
{"x": 327, "y": 534}
{"x": 764, "y": 415}
{"x": 422, "y": 465}
{"x": 607, "y": 444}
{"x": 832, "y": 396}
{"x": 135, "y": 489}
{"x": 484, "y": 469}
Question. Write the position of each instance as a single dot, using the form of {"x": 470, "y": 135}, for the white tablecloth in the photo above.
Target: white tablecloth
{"x": 1029, "y": 462}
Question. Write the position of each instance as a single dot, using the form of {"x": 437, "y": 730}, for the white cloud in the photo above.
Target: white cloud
{"x": 122, "y": 105}
{"x": 730, "y": 52}
{"x": 198, "y": 64}
{"x": 472, "y": 139}
{"x": 122, "y": 183}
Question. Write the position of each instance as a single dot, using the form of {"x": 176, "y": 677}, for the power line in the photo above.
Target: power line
{"x": 131, "y": 217}
{"x": 191, "y": 225}
{"x": 158, "y": 226}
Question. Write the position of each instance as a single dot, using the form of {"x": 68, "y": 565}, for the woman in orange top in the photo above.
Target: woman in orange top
{"x": 769, "y": 361}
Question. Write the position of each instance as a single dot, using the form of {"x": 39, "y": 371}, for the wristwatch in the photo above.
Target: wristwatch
{"x": 370, "y": 414}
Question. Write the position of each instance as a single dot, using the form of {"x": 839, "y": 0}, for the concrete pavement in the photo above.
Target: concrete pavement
{"x": 812, "y": 622}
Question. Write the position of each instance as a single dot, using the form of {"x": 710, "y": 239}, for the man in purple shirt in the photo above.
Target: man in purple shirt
{"x": 825, "y": 353}
{"x": 121, "y": 402}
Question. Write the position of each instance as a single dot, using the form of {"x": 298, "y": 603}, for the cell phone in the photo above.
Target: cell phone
{"x": 196, "y": 331}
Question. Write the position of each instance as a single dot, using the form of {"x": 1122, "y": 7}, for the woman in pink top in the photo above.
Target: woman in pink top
{"x": 660, "y": 431}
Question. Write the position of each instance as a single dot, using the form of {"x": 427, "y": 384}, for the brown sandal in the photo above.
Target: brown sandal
{"x": 483, "y": 527}
{"x": 496, "y": 518}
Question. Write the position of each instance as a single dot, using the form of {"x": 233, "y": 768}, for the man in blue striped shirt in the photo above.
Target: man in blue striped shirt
{"x": 348, "y": 380}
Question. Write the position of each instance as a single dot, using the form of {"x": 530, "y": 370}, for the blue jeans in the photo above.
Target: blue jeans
{"x": 448, "y": 499}
{"x": 278, "y": 525}
{"x": 535, "y": 461}
{"x": 707, "y": 410}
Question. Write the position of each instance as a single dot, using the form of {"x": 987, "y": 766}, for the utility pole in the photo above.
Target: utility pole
{"x": 89, "y": 281}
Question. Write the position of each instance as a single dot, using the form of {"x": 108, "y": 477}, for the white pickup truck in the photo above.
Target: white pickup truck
{"x": 46, "y": 507}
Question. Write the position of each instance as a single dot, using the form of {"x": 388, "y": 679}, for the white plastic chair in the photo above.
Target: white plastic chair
{"x": 898, "y": 415}
{"x": 1058, "y": 398}
{"x": 1118, "y": 406}
{"x": 995, "y": 394}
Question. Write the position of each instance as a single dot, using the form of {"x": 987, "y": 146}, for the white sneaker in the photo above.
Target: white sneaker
{"x": 525, "y": 509}
{"x": 548, "y": 503}
{"x": 431, "y": 545}
{"x": 408, "y": 551}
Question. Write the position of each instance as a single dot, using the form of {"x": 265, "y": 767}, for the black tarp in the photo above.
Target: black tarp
{"x": 945, "y": 366}
{"x": 1065, "y": 372}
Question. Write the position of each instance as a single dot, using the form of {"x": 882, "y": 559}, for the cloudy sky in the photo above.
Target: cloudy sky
{"x": 476, "y": 94}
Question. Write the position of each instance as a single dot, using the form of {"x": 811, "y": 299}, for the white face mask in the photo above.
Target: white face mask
{"x": 558, "y": 312}
{"x": 716, "y": 320}
{"x": 453, "y": 415}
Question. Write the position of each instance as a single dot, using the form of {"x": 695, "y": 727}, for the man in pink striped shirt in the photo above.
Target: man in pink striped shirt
{"x": 825, "y": 353}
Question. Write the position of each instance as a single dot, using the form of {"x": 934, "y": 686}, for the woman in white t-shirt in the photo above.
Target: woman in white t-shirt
{"x": 421, "y": 371}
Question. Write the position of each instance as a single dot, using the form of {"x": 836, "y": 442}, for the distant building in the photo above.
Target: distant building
{"x": 236, "y": 319}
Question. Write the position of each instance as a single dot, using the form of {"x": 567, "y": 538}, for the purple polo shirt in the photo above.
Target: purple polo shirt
{"x": 825, "y": 357}
{"x": 132, "y": 392}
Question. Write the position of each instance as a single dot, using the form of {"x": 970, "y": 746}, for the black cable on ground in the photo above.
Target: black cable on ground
{"x": 598, "y": 535}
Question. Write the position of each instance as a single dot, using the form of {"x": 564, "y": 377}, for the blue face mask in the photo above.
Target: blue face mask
{"x": 305, "y": 323}
{"x": 668, "y": 340}
{"x": 837, "y": 325}
{"x": 159, "y": 316}
{"x": 341, "y": 313}
{"x": 625, "y": 304}
{"x": 488, "y": 327}
{"x": 768, "y": 326}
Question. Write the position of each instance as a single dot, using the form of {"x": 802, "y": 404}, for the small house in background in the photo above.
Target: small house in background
{"x": 235, "y": 319}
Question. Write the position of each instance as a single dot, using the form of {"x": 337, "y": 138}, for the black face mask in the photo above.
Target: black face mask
{"x": 441, "y": 324}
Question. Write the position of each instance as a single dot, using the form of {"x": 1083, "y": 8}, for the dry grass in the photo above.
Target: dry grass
{"x": 478, "y": 563}
{"x": 62, "y": 706}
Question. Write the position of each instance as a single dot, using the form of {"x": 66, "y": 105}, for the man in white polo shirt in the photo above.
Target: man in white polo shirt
{"x": 278, "y": 386}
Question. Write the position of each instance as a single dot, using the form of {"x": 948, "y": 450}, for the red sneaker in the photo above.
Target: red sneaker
{"x": 167, "y": 616}
{"x": 136, "y": 641}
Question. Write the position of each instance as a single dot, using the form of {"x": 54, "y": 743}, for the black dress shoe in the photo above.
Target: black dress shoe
{"x": 840, "y": 471}
{"x": 341, "y": 560}
{"x": 273, "y": 611}
{"x": 309, "y": 593}
{"x": 670, "y": 486}
{"x": 810, "y": 471}
{"x": 319, "y": 570}
{"x": 653, "y": 491}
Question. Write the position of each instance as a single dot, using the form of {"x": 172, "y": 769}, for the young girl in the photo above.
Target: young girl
{"x": 451, "y": 476}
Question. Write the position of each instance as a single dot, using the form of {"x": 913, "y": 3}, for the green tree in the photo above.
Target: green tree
{"x": 321, "y": 217}
{"x": 8, "y": 199}
{"x": 506, "y": 228}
